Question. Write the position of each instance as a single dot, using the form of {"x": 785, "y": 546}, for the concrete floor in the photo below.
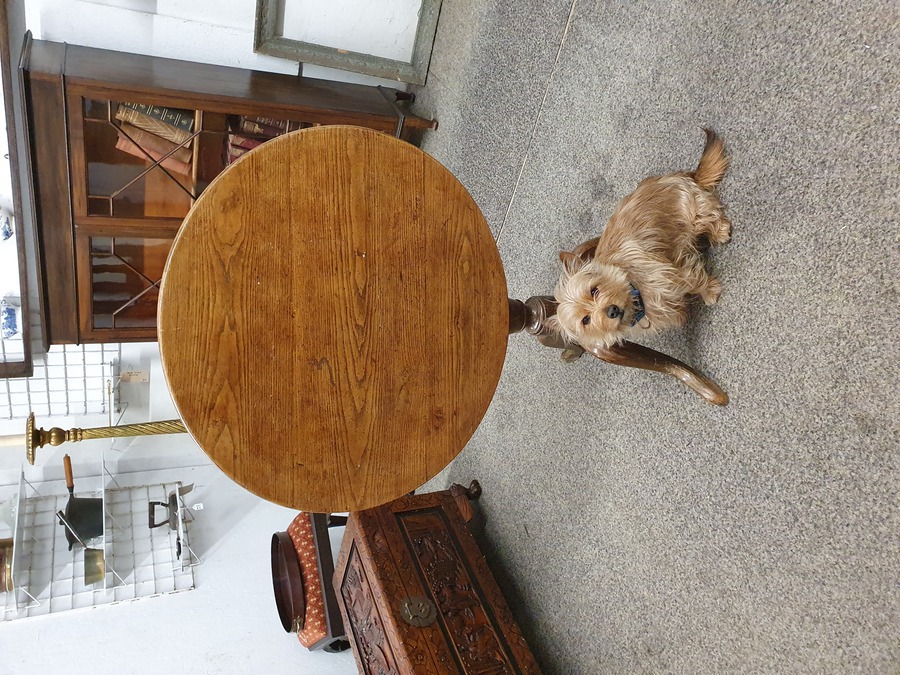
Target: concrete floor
{"x": 635, "y": 527}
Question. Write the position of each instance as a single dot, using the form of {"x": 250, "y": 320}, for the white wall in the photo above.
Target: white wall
{"x": 228, "y": 624}
{"x": 207, "y": 31}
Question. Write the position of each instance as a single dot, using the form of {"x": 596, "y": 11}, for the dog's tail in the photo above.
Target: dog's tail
{"x": 713, "y": 163}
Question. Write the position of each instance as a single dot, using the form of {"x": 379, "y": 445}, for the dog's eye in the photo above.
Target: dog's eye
{"x": 586, "y": 320}
{"x": 613, "y": 312}
{"x": 594, "y": 292}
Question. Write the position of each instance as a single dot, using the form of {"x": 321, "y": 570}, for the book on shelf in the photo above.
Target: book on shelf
{"x": 251, "y": 132}
{"x": 174, "y": 165}
{"x": 253, "y": 128}
{"x": 177, "y": 117}
{"x": 158, "y": 143}
{"x": 177, "y": 135}
{"x": 245, "y": 142}
{"x": 270, "y": 122}
{"x": 234, "y": 152}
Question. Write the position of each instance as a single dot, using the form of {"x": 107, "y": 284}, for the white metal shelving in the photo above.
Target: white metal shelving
{"x": 140, "y": 562}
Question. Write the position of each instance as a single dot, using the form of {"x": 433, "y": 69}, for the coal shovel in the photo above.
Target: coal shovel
{"x": 84, "y": 514}
{"x": 94, "y": 560}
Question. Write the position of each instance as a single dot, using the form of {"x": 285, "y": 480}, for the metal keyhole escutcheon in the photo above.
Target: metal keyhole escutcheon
{"x": 418, "y": 611}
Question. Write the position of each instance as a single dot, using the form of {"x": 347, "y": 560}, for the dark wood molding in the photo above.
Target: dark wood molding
{"x": 50, "y": 186}
{"x": 325, "y": 560}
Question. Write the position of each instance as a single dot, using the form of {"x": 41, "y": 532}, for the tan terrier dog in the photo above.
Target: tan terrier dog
{"x": 647, "y": 261}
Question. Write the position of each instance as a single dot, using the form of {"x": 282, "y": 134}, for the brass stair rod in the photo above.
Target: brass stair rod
{"x": 38, "y": 438}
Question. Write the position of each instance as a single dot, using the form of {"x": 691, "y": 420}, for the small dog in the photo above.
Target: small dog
{"x": 647, "y": 261}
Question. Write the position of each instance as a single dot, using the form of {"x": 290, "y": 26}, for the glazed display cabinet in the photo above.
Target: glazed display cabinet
{"x": 121, "y": 145}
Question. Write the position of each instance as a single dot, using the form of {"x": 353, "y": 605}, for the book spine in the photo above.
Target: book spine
{"x": 293, "y": 126}
{"x": 270, "y": 122}
{"x": 178, "y": 117}
{"x": 257, "y": 129}
{"x": 157, "y": 143}
{"x": 234, "y": 152}
{"x": 244, "y": 142}
{"x": 153, "y": 125}
{"x": 174, "y": 165}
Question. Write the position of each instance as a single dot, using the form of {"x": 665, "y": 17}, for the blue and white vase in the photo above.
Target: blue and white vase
{"x": 6, "y": 225}
{"x": 10, "y": 319}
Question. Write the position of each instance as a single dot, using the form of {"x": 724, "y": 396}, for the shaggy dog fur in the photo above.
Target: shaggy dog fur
{"x": 647, "y": 258}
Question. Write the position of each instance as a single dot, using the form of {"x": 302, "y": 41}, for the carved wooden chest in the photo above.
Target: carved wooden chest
{"x": 417, "y": 596}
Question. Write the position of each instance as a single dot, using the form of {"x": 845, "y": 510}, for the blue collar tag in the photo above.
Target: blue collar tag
{"x": 638, "y": 301}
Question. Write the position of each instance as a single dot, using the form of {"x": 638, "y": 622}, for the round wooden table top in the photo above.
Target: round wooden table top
{"x": 333, "y": 319}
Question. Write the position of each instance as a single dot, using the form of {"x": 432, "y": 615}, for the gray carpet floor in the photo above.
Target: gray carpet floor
{"x": 635, "y": 527}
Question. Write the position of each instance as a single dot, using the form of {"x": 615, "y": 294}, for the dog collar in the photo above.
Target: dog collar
{"x": 640, "y": 312}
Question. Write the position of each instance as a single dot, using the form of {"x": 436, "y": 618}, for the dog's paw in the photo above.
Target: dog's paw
{"x": 571, "y": 354}
{"x": 721, "y": 232}
{"x": 711, "y": 292}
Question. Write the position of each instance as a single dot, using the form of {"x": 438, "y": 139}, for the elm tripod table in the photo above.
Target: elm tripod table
{"x": 333, "y": 319}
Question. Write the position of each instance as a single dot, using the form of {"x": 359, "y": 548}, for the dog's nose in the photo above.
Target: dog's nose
{"x": 613, "y": 311}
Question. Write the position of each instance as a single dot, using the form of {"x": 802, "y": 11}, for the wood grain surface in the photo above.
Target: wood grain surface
{"x": 333, "y": 319}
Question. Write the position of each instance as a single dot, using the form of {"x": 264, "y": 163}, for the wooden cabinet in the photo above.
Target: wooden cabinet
{"x": 416, "y": 594}
{"x": 109, "y": 203}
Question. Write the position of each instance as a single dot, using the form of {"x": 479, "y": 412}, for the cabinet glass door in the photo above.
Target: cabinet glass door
{"x": 119, "y": 285}
{"x": 137, "y": 169}
{"x": 146, "y": 161}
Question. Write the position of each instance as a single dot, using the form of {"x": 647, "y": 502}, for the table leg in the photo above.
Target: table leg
{"x": 637, "y": 356}
{"x": 463, "y": 495}
{"x": 531, "y": 316}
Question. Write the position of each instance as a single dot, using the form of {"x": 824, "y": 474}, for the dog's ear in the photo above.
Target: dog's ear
{"x": 571, "y": 262}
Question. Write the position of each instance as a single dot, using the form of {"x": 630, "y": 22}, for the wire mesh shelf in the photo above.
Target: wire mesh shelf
{"x": 139, "y": 562}
{"x": 67, "y": 380}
